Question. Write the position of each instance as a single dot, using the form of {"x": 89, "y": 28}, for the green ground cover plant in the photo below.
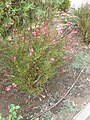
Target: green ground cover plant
{"x": 67, "y": 108}
{"x": 81, "y": 60}
{"x": 12, "y": 113}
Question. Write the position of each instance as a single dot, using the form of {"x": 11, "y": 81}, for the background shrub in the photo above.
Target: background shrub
{"x": 83, "y": 14}
{"x": 32, "y": 57}
{"x": 65, "y": 5}
{"x": 15, "y": 13}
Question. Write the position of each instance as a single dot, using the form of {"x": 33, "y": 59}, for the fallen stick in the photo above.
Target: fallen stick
{"x": 61, "y": 98}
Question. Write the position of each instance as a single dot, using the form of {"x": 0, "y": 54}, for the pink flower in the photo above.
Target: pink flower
{"x": 37, "y": 30}
{"x": 44, "y": 29}
{"x": 74, "y": 50}
{"x": 30, "y": 51}
{"x": 22, "y": 38}
{"x": 52, "y": 59}
{"x": 67, "y": 47}
{"x": 62, "y": 70}
{"x": 71, "y": 41}
{"x": 73, "y": 32}
{"x": 54, "y": 42}
{"x": 60, "y": 31}
{"x": 14, "y": 85}
{"x": 34, "y": 33}
{"x": 19, "y": 34}
{"x": 8, "y": 88}
{"x": 38, "y": 37}
{"x": 70, "y": 58}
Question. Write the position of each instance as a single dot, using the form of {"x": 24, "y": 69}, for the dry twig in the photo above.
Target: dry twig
{"x": 61, "y": 98}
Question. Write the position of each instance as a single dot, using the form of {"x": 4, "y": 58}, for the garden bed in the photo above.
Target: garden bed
{"x": 54, "y": 90}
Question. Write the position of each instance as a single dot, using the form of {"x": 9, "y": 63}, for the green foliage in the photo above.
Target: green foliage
{"x": 83, "y": 14}
{"x": 65, "y": 5}
{"x": 32, "y": 57}
{"x": 1, "y": 118}
{"x": 12, "y": 113}
{"x": 67, "y": 108}
{"x": 88, "y": 83}
{"x": 15, "y": 13}
{"x": 37, "y": 119}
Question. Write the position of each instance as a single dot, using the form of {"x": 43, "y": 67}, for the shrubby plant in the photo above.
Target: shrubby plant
{"x": 32, "y": 57}
{"x": 31, "y": 53}
{"x": 83, "y": 14}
